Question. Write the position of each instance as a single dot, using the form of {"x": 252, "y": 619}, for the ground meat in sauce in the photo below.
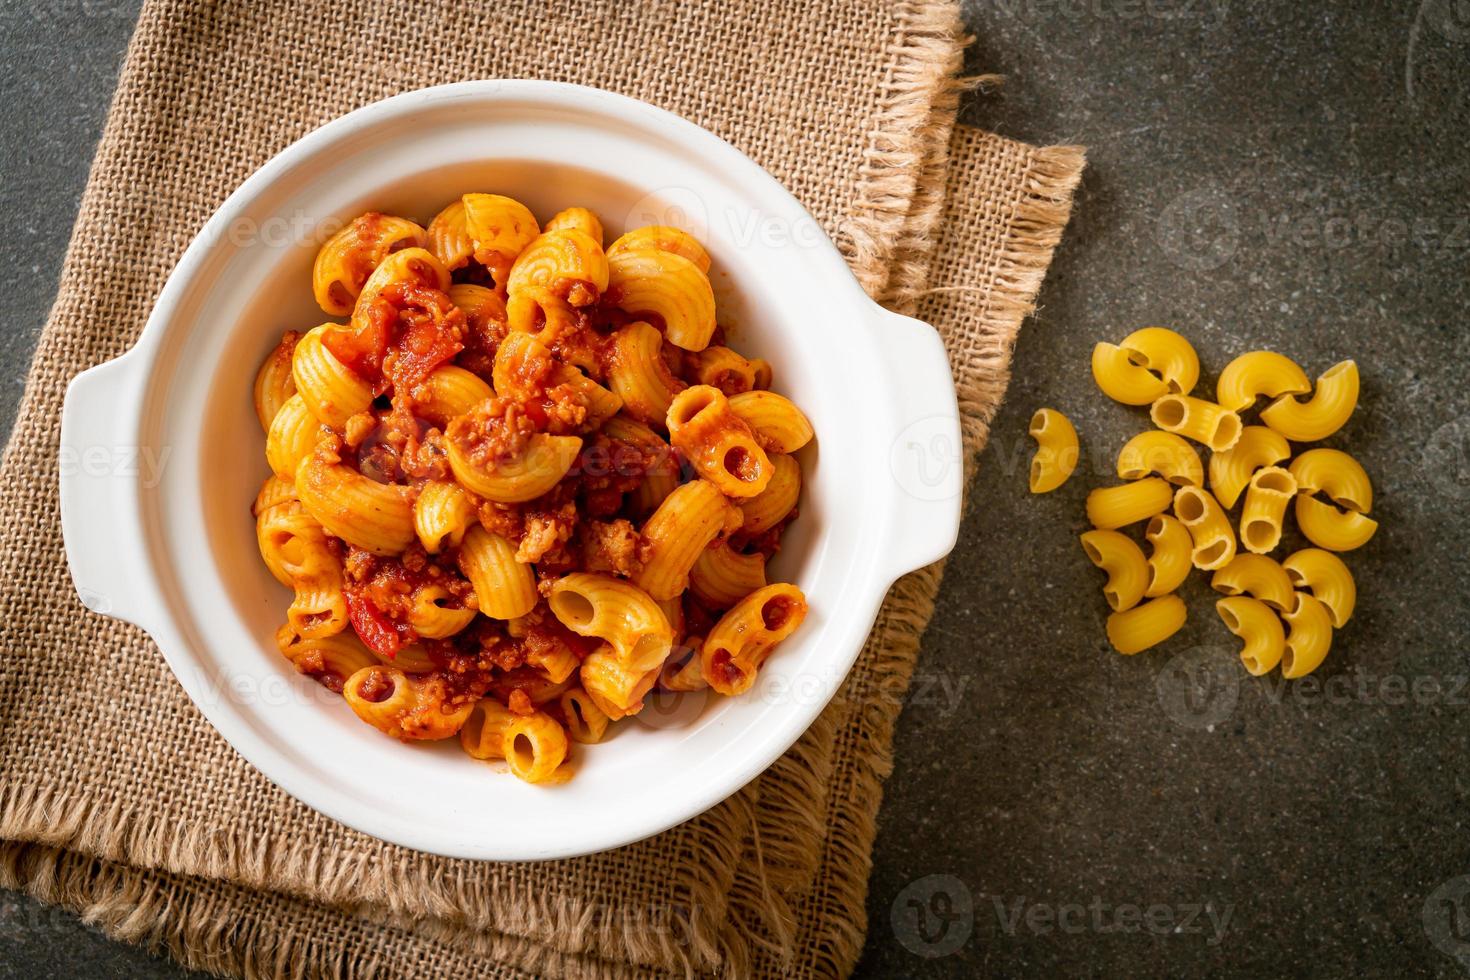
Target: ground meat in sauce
{"x": 614, "y": 547}
{"x": 496, "y": 430}
{"x": 546, "y": 530}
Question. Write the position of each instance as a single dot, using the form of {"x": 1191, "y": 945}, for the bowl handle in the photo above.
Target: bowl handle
{"x": 925, "y": 454}
{"x": 102, "y": 468}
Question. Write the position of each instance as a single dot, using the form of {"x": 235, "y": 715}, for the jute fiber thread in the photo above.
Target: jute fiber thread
{"x": 116, "y": 797}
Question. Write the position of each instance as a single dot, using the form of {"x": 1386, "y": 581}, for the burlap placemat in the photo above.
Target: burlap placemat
{"x": 116, "y": 798}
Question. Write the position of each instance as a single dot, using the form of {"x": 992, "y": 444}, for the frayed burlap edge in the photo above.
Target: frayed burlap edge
{"x": 883, "y": 240}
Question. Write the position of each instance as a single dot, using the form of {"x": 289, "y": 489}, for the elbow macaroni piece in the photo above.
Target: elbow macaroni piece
{"x": 615, "y": 688}
{"x": 741, "y": 641}
{"x": 483, "y": 734}
{"x": 1056, "y": 450}
{"x": 373, "y": 516}
{"x": 1328, "y": 578}
{"x": 719, "y": 444}
{"x": 567, "y": 262}
{"x": 585, "y": 721}
{"x": 639, "y": 375}
{"x": 663, "y": 238}
{"x": 499, "y": 228}
{"x": 1148, "y": 625}
{"x": 442, "y": 514}
{"x": 1256, "y": 576}
{"x": 1271, "y": 489}
{"x": 1257, "y": 373}
{"x": 504, "y": 587}
{"x": 1214, "y": 538}
{"x": 1332, "y": 402}
{"x": 1170, "y": 560}
{"x": 1309, "y": 637}
{"x": 722, "y": 576}
{"x": 1110, "y": 508}
{"x": 1124, "y": 380}
{"x": 329, "y": 660}
{"x": 448, "y": 393}
{"x": 1254, "y": 622}
{"x": 650, "y": 281}
{"x": 776, "y": 502}
{"x": 293, "y": 434}
{"x": 660, "y": 478}
{"x": 435, "y": 613}
{"x": 411, "y": 265}
{"x": 577, "y": 219}
{"x": 404, "y": 705}
{"x": 1163, "y": 453}
{"x": 1230, "y": 471}
{"x": 331, "y": 390}
{"x": 779, "y": 426}
{"x": 1337, "y": 475}
{"x": 347, "y": 259}
{"x": 535, "y": 746}
{"x": 1167, "y": 354}
{"x": 682, "y": 527}
{"x": 1127, "y": 570}
{"x": 1194, "y": 418}
{"x": 617, "y": 612}
{"x": 274, "y": 384}
{"x": 1328, "y": 527}
{"x": 726, "y": 370}
{"x": 541, "y": 466}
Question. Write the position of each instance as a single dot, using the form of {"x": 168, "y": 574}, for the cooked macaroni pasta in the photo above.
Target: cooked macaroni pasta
{"x": 522, "y": 480}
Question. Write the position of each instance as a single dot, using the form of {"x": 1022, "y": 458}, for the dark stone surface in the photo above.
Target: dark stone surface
{"x": 1290, "y": 176}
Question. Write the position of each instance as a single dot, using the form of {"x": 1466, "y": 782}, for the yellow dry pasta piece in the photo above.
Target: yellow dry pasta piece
{"x": 1255, "y": 623}
{"x": 1328, "y": 578}
{"x": 1336, "y": 474}
{"x": 1194, "y": 418}
{"x": 1170, "y": 561}
{"x": 1166, "y": 353}
{"x": 1271, "y": 489}
{"x": 1327, "y": 527}
{"x": 1123, "y": 380}
{"x": 1148, "y": 625}
{"x": 1260, "y": 372}
{"x": 1308, "y": 638}
{"x": 1257, "y": 576}
{"x": 1127, "y": 570}
{"x": 1163, "y": 453}
{"x": 1332, "y": 402}
{"x": 1114, "y": 507}
{"x": 1214, "y": 538}
{"x": 1230, "y": 471}
{"x": 1056, "y": 450}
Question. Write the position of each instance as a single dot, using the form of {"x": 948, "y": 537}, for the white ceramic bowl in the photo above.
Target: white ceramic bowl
{"x": 162, "y": 456}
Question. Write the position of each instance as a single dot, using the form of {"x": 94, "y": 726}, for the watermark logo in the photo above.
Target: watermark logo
{"x": 1097, "y": 916}
{"x": 934, "y": 916}
{"x": 926, "y": 459}
{"x": 1447, "y": 458}
{"x": 1200, "y": 230}
{"x": 1199, "y": 687}
{"x": 1446, "y": 917}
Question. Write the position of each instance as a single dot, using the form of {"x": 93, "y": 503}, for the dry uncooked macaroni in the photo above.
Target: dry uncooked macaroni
{"x": 1284, "y": 612}
{"x": 524, "y": 483}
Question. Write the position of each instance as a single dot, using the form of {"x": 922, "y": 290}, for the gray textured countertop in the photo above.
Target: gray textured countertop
{"x": 1291, "y": 176}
